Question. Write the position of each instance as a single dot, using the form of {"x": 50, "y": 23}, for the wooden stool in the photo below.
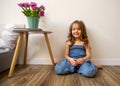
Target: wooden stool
{"x": 22, "y": 32}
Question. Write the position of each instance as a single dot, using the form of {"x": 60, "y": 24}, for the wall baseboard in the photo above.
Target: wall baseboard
{"x": 38, "y": 61}
{"x": 107, "y": 61}
{"x": 48, "y": 61}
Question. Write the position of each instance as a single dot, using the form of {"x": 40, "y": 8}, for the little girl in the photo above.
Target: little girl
{"x": 77, "y": 53}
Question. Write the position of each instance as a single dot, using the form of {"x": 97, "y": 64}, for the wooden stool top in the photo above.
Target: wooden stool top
{"x": 18, "y": 30}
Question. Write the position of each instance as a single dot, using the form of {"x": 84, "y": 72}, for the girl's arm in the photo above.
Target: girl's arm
{"x": 67, "y": 50}
{"x": 88, "y": 52}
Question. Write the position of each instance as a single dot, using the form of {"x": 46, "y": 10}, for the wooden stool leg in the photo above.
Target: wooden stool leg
{"x": 49, "y": 48}
{"x": 15, "y": 54}
{"x": 25, "y": 48}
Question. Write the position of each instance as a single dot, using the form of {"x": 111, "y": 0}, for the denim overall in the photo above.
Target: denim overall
{"x": 86, "y": 69}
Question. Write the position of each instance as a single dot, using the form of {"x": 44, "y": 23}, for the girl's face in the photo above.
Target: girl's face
{"x": 76, "y": 31}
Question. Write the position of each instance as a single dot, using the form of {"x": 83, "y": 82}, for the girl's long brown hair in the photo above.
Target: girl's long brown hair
{"x": 83, "y": 37}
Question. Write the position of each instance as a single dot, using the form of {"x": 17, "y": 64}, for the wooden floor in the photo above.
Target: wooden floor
{"x": 44, "y": 75}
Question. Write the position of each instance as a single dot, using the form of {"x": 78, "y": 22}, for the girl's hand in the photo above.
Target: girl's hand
{"x": 73, "y": 61}
{"x": 80, "y": 61}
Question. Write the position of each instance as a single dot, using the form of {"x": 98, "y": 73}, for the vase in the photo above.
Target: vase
{"x": 33, "y": 22}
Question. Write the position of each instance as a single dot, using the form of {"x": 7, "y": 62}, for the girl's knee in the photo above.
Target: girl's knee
{"x": 88, "y": 73}
{"x": 58, "y": 72}
{"x": 88, "y": 70}
{"x": 60, "y": 69}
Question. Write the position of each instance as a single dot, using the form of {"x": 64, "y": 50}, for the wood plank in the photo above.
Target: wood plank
{"x": 44, "y": 75}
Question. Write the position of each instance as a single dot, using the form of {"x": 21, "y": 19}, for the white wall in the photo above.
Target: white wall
{"x": 101, "y": 17}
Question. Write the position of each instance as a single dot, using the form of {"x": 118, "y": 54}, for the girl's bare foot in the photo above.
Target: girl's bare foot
{"x": 99, "y": 66}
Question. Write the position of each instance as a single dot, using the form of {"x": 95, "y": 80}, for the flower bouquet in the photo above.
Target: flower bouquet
{"x": 32, "y": 12}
